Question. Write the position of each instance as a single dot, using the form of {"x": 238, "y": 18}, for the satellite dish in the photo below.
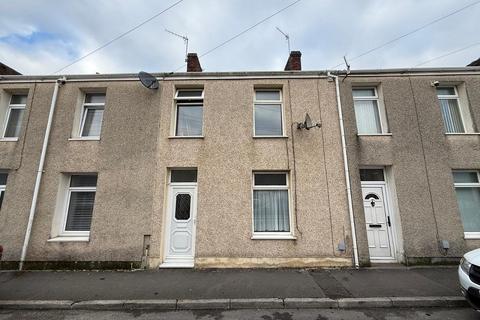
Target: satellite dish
{"x": 148, "y": 80}
{"x": 308, "y": 124}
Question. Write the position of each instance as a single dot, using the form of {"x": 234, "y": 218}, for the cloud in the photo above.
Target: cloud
{"x": 39, "y": 38}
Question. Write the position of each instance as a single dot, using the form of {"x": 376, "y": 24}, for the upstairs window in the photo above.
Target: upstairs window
{"x": 92, "y": 115}
{"x": 189, "y": 113}
{"x": 368, "y": 114}
{"x": 14, "y": 116}
{"x": 450, "y": 107}
{"x": 268, "y": 118}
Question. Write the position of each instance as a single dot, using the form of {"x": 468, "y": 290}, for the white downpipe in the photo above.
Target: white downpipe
{"x": 347, "y": 173}
{"x": 39, "y": 173}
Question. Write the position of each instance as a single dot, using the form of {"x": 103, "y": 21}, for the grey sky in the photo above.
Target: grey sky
{"x": 39, "y": 37}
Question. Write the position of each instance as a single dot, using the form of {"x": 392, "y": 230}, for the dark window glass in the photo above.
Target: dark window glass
{"x": 95, "y": 98}
{"x": 182, "y": 206}
{"x": 189, "y": 120}
{"x": 272, "y": 95}
{"x": 189, "y": 94}
{"x": 80, "y": 211}
{"x": 3, "y": 179}
{"x": 1, "y": 198}
{"x": 184, "y": 175}
{"x": 270, "y": 179}
{"x": 18, "y": 99}
{"x": 465, "y": 177}
{"x": 268, "y": 120}
{"x": 83, "y": 181}
{"x": 371, "y": 175}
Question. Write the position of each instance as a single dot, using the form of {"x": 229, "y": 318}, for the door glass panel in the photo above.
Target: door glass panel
{"x": 371, "y": 175}
{"x": 182, "y": 206}
{"x": 184, "y": 175}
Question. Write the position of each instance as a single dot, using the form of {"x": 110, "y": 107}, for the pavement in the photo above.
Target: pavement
{"x": 181, "y": 289}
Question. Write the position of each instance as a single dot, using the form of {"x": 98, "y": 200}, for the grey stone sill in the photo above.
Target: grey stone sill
{"x": 186, "y": 137}
{"x": 462, "y": 134}
{"x": 273, "y": 237}
{"x": 270, "y": 137}
{"x": 388, "y": 134}
{"x": 8, "y": 139}
{"x": 70, "y": 239}
{"x": 84, "y": 139}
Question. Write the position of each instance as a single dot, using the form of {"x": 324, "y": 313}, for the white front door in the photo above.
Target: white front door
{"x": 378, "y": 223}
{"x": 180, "y": 233}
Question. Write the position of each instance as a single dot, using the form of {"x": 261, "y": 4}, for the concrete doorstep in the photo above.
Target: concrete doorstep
{"x": 228, "y": 304}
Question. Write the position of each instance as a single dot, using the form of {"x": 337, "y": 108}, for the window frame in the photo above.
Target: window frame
{"x": 269, "y": 102}
{"x": 467, "y": 234}
{"x": 85, "y": 107}
{"x": 382, "y": 113}
{"x": 456, "y": 96}
{"x": 63, "y": 231}
{"x": 186, "y": 101}
{"x": 269, "y": 235}
{"x": 18, "y": 106}
{"x": 3, "y": 187}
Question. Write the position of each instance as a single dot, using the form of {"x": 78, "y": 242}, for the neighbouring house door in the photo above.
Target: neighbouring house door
{"x": 378, "y": 223}
{"x": 180, "y": 234}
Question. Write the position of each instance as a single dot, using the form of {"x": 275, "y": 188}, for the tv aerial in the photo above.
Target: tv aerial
{"x": 185, "y": 41}
{"x": 308, "y": 124}
{"x": 148, "y": 80}
{"x": 287, "y": 37}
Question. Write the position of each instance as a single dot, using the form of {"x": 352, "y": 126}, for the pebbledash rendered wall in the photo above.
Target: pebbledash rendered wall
{"x": 133, "y": 158}
{"x": 419, "y": 156}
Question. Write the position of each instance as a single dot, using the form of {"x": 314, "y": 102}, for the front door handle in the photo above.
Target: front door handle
{"x": 375, "y": 225}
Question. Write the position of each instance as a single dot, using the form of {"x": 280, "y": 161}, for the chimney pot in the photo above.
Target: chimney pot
{"x": 193, "y": 64}
{"x": 294, "y": 62}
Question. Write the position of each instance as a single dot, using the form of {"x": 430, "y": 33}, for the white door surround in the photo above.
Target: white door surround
{"x": 179, "y": 239}
{"x": 378, "y": 221}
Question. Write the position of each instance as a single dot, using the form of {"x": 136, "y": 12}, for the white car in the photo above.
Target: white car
{"x": 469, "y": 276}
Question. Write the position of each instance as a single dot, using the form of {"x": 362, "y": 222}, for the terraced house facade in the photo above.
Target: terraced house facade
{"x": 227, "y": 170}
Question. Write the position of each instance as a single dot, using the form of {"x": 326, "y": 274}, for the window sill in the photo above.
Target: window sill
{"x": 8, "y": 139}
{"x": 472, "y": 235}
{"x": 270, "y": 137}
{"x": 84, "y": 139}
{"x": 462, "y": 134}
{"x": 273, "y": 236}
{"x": 70, "y": 239}
{"x": 186, "y": 137}
{"x": 373, "y": 134}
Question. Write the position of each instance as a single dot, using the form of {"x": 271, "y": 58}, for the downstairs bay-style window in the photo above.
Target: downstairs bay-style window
{"x": 467, "y": 189}
{"x": 271, "y": 206}
{"x": 76, "y": 201}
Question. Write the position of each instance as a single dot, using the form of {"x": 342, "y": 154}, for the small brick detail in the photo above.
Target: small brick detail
{"x": 294, "y": 61}
{"x": 193, "y": 64}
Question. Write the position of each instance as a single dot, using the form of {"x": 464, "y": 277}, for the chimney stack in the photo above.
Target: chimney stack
{"x": 475, "y": 63}
{"x": 6, "y": 70}
{"x": 294, "y": 62}
{"x": 193, "y": 64}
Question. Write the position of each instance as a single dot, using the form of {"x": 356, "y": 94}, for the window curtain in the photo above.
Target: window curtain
{"x": 271, "y": 211}
{"x": 368, "y": 119}
{"x": 451, "y": 116}
{"x": 93, "y": 123}
{"x": 80, "y": 211}
{"x": 14, "y": 124}
{"x": 469, "y": 205}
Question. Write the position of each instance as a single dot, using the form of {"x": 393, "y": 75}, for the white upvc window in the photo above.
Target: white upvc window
{"x": 450, "y": 107}
{"x": 369, "y": 112}
{"x": 467, "y": 189}
{"x": 92, "y": 116}
{"x": 79, "y": 203}
{"x": 14, "y": 116}
{"x": 188, "y": 119}
{"x": 268, "y": 113}
{"x": 271, "y": 206}
{"x": 3, "y": 185}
